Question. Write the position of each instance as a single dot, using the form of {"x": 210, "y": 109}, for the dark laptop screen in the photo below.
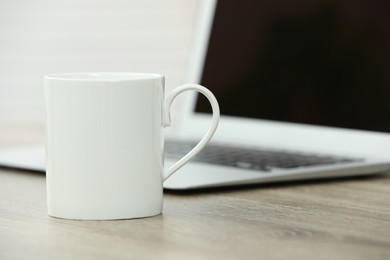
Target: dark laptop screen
{"x": 315, "y": 62}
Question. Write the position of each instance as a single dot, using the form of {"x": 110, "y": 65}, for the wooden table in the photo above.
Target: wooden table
{"x": 333, "y": 219}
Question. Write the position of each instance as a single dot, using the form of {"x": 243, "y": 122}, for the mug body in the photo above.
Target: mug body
{"x": 104, "y": 145}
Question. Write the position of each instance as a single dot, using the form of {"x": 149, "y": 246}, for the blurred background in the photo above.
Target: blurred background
{"x": 41, "y": 37}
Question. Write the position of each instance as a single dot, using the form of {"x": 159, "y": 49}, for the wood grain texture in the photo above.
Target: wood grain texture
{"x": 333, "y": 219}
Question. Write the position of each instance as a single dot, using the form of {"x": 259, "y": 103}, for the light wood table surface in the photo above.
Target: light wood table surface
{"x": 333, "y": 219}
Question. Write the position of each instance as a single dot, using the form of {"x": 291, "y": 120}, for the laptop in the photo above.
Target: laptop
{"x": 303, "y": 89}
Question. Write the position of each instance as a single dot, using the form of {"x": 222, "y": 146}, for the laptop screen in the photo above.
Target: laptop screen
{"x": 313, "y": 62}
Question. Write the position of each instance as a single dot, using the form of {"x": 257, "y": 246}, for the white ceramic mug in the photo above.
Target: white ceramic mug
{"x": 105, "y": 143}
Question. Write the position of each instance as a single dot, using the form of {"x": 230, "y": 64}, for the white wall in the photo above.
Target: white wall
{"x": 38, "y": 37}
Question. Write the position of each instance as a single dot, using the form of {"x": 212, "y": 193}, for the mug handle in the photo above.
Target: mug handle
{"x": 167, "y": 122}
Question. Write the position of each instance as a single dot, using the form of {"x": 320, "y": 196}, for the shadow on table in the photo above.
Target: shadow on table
{"x": 235, "y": 188}
{"x": 281, "y": 184}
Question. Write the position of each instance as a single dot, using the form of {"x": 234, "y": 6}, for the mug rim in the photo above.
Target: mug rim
{"x": 103, "y": 76}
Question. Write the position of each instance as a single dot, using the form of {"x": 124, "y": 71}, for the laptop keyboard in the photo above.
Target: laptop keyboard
{"x": 255, "y": 159}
